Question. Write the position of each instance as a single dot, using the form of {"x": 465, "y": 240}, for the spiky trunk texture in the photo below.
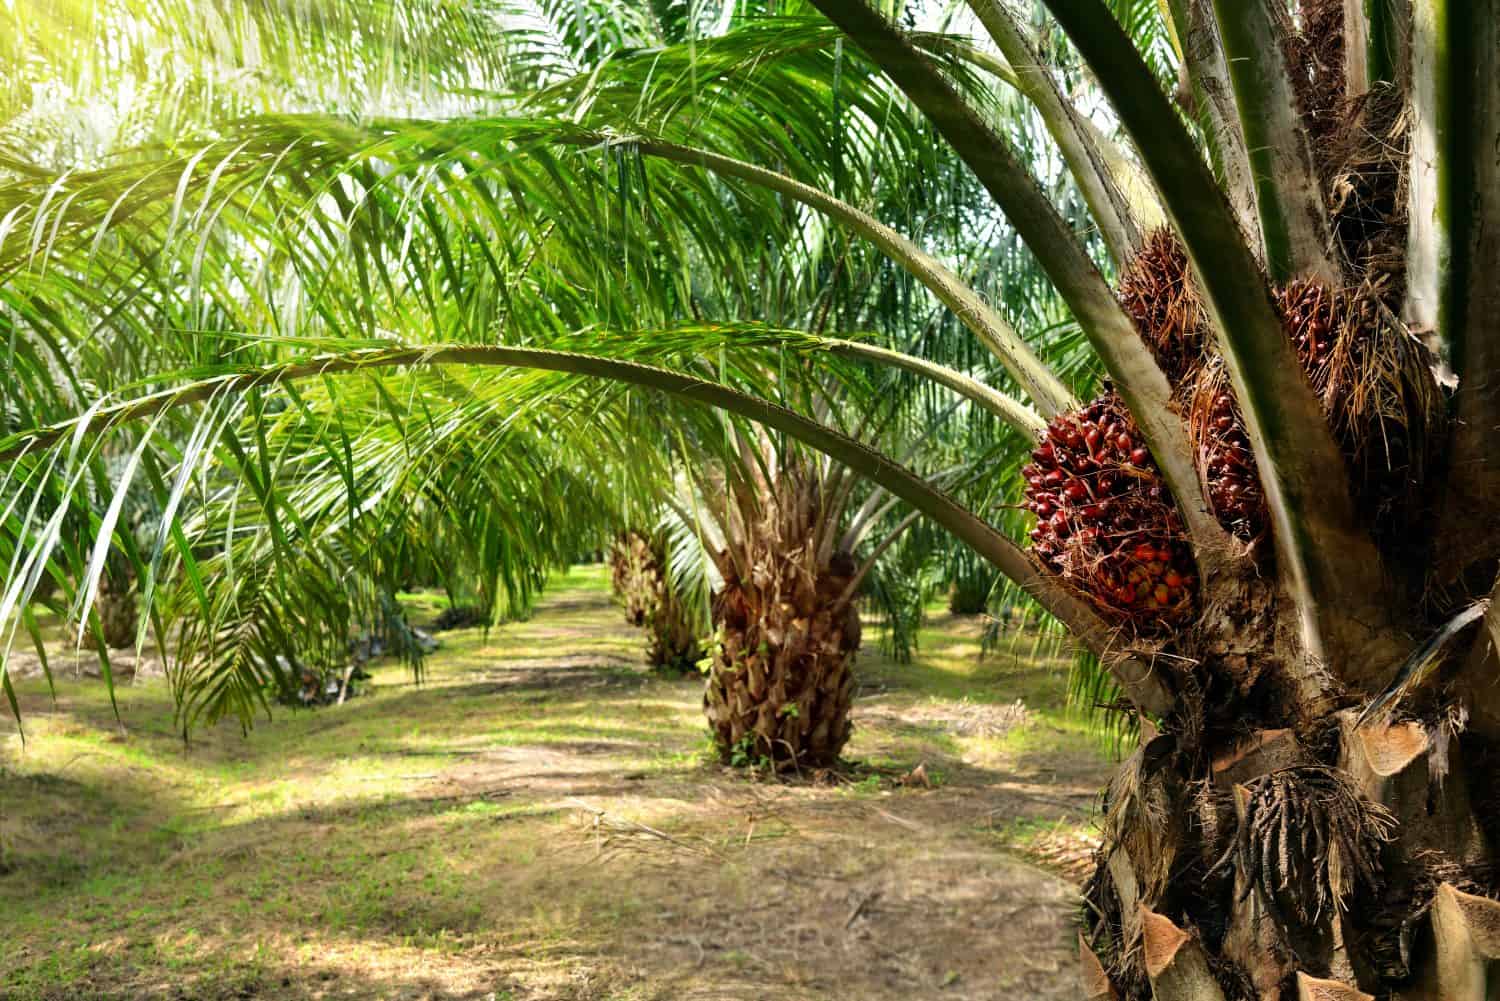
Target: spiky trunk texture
{"x": 1269, "y": 840}
{"x": 782, "y": 680}
{"x": 628, "y": 573}
{"x": 1313, "y": 850}
{"x": 671, "y": 636}
{"x": 642, "y": 583}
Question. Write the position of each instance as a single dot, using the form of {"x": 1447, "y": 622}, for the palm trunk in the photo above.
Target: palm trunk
{"x": 973, "y": 581}
{"x": 782, "y": 680}
{"x": 631, "y": 563}
{"x": 1274, "y": 850}
{"x": 671, "y": 639}
{"x": 1271, "y": 841}
{"x": 115, "y": 603}
{"x": 641, "y": 581}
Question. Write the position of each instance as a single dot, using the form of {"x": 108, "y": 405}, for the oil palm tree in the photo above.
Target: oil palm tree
{"x": 653, "y": 598}
{"x": 634, "y": 573}
{"x": 1277, "y": 527}
{"x": 792, "y": 540}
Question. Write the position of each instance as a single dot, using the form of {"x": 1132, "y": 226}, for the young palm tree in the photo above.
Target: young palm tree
{"x": 632, "y": 573}
{"x": 785, "y": 611}
{"x": 1277, "y": 529}
{"x": 786, "y": 626}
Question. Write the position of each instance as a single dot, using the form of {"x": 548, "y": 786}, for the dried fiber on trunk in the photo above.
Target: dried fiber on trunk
{"x": 1368, "y": 191}
{"x": 1315, "y": 55}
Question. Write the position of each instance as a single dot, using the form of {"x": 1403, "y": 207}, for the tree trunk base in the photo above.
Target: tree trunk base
{"x": 782, "y": 680}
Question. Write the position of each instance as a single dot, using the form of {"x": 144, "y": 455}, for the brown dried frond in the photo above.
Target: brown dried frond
{"x": 612, "y": 836}
{"x": 1359, "y": 148}
{"x": 1375, "y": 382}
{"x": 1315, "y": 57}
{"x": 1367, "y": 191}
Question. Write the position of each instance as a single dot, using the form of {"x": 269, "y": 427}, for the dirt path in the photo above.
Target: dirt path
{"x": 538, "y": 821}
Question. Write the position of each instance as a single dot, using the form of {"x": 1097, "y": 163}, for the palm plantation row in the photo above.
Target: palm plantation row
{"x": 1181, "y": 316}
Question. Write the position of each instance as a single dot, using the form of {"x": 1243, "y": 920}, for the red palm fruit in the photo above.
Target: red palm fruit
{"x": 1108, "y": 532}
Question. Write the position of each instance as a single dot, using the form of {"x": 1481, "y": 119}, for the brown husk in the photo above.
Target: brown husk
{"x": 1375, "y": 382}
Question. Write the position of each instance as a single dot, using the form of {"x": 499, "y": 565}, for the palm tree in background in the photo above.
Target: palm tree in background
{"x": 1277, "y": 527}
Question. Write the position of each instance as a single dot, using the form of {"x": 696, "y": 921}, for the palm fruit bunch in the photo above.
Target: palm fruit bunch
{"x": 1157, "y": 293}
{"x": 1375, "y": 382}
{"x": 1226, "y": 465}
{"x": 1314, "y": 317}
{"x": 1105, "y": 520}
